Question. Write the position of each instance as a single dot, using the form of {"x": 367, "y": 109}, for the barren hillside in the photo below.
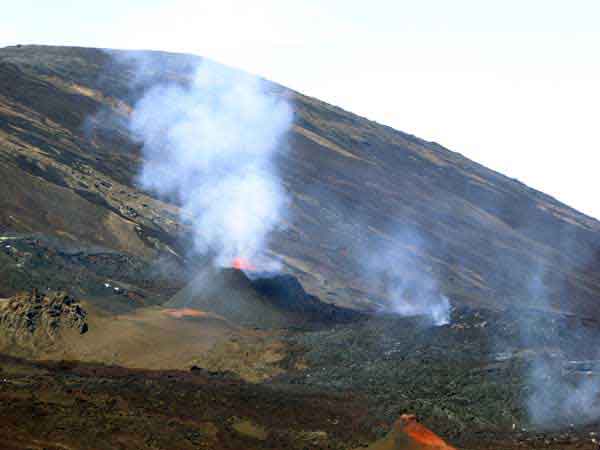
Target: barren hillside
{"x": 68, "y": 167}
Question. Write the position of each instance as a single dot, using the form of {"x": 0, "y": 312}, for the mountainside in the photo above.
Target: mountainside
{"x": 396, "y": 280}
{"x": 68, "y": 167}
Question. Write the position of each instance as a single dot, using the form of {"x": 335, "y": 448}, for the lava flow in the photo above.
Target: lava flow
{"x": 185, "y": 312}
{"x": 419, "y": 436}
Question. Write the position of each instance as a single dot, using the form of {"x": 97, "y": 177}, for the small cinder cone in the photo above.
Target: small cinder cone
{"x": 408, "y": 434}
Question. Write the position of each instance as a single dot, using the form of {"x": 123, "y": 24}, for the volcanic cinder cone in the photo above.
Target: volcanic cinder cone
{"x": 408, "y": 434}
{"x": 274, "y": 301}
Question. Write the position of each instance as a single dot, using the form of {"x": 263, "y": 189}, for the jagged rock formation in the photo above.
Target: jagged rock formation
{"x": 38, "y": 314}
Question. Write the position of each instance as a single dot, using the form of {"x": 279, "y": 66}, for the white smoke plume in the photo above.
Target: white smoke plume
{"x": 556, "y": 395}
{"x": 554, "y": 400}
{"x": 398, "y": 273}
{"x": 211, "y": 143}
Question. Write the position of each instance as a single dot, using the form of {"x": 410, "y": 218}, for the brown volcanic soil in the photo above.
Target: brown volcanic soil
{"x": 150, "y": 337}
{"x": 449, "y": 375}
{"x": 77, "y": 406}
{"x": 68, "y": 166}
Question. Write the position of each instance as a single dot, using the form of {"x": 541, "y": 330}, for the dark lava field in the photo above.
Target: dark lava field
{"x": 114, "y": 335}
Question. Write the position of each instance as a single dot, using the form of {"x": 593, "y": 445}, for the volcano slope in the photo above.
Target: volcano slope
{"x": 68, "y": 167}
{"x": 73, "y": 219}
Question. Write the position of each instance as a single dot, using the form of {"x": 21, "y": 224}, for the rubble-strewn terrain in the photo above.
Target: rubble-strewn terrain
{"x": 129, "y": 340}
{"x": 113, "y": 280}
{"x": 452, "y": 376}
{"x": 71, "y": 405}
{"x": 372, "y": 370}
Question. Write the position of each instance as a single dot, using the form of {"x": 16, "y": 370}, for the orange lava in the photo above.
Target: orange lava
{"x": 420, "y": 434}
{"x": 185, "y": 312}
{"x": 242, "y": 264}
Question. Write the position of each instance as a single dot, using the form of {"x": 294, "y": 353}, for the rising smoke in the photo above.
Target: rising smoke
{"x": 561, "y": 385}
{"x": 211, "y": 145}
{"x": 555, "y": 401}
{"x": 400, "y": 274}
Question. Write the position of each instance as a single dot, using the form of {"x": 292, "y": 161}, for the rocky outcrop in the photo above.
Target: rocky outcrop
{"x": 38, "y": 313}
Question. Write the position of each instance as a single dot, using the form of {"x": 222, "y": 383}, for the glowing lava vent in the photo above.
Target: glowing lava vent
{"x": 243, "y": 264}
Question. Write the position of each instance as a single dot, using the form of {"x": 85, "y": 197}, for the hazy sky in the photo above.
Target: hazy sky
{"x": 512, "y": 84}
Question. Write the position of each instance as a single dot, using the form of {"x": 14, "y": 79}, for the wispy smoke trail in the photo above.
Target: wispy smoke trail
{"x": 410, "y": 292}
{"x": 556, "y": 401}
{"x": 557, "y": 395}
{"x": 211, "y": 143}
